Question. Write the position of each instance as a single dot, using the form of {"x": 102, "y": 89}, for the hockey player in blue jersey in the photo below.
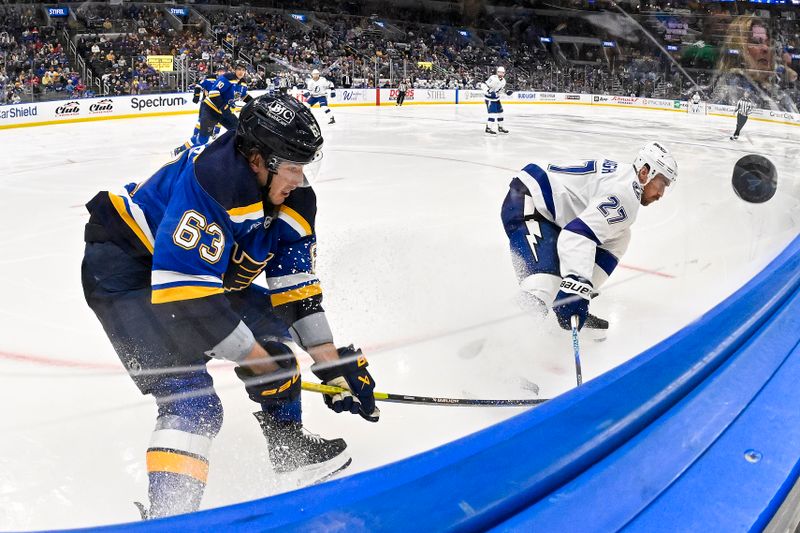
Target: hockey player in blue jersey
{"x": 217, "y": 106}
{"x": 569, "y": 224}
{"x": 201, "y": 91}
{"x": 168, "y": 269}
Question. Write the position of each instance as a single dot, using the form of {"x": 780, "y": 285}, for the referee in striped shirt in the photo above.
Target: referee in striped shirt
{"x": 743, "y": 109}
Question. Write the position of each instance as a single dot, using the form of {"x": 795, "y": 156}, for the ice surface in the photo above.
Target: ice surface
{"x": 415, "y": 269}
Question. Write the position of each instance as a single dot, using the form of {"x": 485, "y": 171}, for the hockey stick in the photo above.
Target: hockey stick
{"x": 576, "y": 348}
{"x": 426, "y": 400}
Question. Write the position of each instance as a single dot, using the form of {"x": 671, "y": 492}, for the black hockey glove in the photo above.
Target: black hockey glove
{"x": 573, "y": 299}
{"x": 333, "y": 94}
{"x": 349, "y": 373}
{"x": 196, "y": 97}
{"x": 509, "y": 92}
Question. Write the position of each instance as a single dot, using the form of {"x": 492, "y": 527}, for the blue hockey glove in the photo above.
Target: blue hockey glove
{"x": 349, "y": 373}
{"x": 572, "y": 299}
{"x": 333, "y": 94}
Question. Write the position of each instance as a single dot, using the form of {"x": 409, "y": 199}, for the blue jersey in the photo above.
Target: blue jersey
{"x": 207, "y": 84}
{"x": 201, "y": 220}
{"x": 240, "y": 90}
{"x": 204, "y": 86}
{"x": 222, "y": 94}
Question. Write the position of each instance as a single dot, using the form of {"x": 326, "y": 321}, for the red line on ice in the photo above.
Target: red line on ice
{"x": 50, "y": 361}
{"x": 647, "y": 271}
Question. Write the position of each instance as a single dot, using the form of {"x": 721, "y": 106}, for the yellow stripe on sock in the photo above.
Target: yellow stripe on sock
{"x": 161, "y": 461}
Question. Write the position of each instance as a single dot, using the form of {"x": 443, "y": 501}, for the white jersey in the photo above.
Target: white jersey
{"x": 744, "y": 107}
{"x": 696, "y": 98}
{"x": 492, "y": 87}
{"x": 319, "y": 87}
{"x": 593, "y": 201}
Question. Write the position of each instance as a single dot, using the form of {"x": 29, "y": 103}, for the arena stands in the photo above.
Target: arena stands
{"x": 568, "y": 45}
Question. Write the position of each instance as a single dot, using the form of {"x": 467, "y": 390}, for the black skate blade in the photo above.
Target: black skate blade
{"x": 331, "y": 474}
{"x": 306, "y": 476}
{"x": 142, "y": 510}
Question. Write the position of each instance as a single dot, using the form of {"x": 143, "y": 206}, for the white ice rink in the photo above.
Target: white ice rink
{"x": 415, "y": 268}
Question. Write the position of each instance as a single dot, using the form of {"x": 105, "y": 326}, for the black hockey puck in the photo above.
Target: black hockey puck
{"x": 755, "y": 179}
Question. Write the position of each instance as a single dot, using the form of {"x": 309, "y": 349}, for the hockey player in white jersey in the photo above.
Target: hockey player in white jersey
{"x": 491, "y": 94}
{"x": 569, "y": 225}
{"x": 317, "y": 89}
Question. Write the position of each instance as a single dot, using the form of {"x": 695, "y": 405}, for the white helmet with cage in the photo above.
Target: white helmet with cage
{"x": 315, "y": 72}
{"x": 659, "y": 161}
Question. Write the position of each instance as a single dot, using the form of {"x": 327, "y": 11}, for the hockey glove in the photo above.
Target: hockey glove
{"x": 333, "y": 94}
{"x": 196, "y": 97}
{"x": 349, "y": 373}
{"x": 509, "y": 92}
{"x": 572, "y": 299}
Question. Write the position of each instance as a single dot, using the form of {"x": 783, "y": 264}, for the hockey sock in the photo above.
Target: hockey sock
{"x": 200, "y": 139}
{"x": 171, "y": 493}
{"x": 285, "y": 411}
{"x": 177, "y": 467}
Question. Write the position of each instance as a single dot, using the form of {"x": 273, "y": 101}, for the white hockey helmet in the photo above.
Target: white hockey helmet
{"x": 315, "y": 72}
{"x": 657, "y": 157}
{"x": 501, "y": 70}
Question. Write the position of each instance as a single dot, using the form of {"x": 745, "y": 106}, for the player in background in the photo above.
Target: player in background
{"x": 216, "y": 108}
{"x": 569, "y": 225}
{"x": 201, "y": 91}
{"x": 743, "y": 109}
{"x": 317, "y": 89}
{"x": 168, "y": 270}
{"x": 491, "y": 91}
{"x": 694, "y": 103}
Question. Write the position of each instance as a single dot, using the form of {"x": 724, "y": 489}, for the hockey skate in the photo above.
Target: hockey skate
{"x": 301, "y": 457}
{"x": 501, "y": 129}
{"x": 490, "y": 131}
{"x": 734, "y": 137}
{"x": 595, "y": 328}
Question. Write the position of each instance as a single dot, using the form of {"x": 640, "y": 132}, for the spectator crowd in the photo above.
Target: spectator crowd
{"x": 438, "y": 47}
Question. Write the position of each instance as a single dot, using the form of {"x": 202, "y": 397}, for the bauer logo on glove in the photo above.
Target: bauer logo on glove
{"x": 572, "y": 285}
{"x": 349, "y": 373}
{"x": 572, "y": 300}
